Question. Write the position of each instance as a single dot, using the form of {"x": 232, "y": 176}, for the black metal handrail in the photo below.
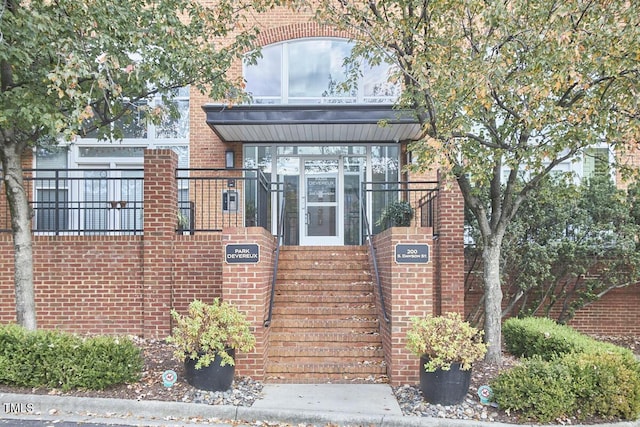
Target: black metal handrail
{"x": 374, "y": 260}
{"x": 280, "y": 239}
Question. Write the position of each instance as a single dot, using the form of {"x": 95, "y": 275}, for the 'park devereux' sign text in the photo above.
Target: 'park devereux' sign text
{"x": 242, "y": 254}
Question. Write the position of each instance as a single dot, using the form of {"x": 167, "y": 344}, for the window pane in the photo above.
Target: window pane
{"x": 111, "y": 151}
{"x": 95, "y": 197}
{"x": 131, "y": 192}
{"x": 376, "y": 84}
{"x": 316, "y": 67}
{"x": 176, "y": 123}
{"x": 51, "y": 158}
{"x": 51, "y": 210}
{"x": 265, "y": 78}
{"x": 313, "y": 71}
{"x": 133, "y": 123}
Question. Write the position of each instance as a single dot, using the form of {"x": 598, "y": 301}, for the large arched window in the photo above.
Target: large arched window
{"x": 310, "y": 71}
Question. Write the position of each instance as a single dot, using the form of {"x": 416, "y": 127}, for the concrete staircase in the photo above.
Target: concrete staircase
{"x": 324, "y": 326}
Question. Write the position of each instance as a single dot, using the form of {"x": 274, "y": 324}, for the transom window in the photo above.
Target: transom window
{"x": 312, "y": 71}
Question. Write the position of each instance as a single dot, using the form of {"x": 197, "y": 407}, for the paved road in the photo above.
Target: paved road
{"x": 39, "y": 423}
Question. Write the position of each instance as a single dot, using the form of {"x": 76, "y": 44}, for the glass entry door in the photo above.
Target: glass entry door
{"x": 321, "y": 210}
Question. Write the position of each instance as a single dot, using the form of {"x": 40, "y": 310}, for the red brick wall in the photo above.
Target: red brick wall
{"x": 450, "y": 249}
{"x": 197, "y": 269}
{"x": 248, "y": 287}
{"x": 408, "y": 292}
{"x": 120, "y": 284}
{"x": 616, "y": 314}
{"x": 82, "y": 284}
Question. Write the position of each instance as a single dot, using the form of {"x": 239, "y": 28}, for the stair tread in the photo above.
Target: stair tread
{"x": 325, "y": 323}
{"x": 344, "y": 323}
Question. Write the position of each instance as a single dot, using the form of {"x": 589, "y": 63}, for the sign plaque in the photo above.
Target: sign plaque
{"x": 412, "y": 254}
{"x": 242, "y": 254}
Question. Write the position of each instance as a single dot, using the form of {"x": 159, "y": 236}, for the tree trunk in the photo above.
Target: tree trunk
{"x": 12, "y": 175}
{"x": 492, "y": 300}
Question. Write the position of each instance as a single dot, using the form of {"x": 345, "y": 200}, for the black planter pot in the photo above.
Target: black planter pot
{"x": 213, "y": 377}
{"x": 444, "y": 387}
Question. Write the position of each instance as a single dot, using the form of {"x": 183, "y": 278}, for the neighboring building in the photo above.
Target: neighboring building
{"x": 125, "y": 231}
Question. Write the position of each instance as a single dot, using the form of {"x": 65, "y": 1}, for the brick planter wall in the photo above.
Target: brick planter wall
{"x": 408, "y": 291}
{"x": 248, "y": 287}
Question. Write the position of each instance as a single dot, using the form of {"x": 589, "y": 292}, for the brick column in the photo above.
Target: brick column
{"x": 160, "y": 213}
{"x": 248, "y": 287}
{"x": 450, "y": 249}
{"x": 408, "y": 292}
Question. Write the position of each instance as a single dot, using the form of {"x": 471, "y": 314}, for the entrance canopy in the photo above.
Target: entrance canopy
{"x": 344, "y": 123}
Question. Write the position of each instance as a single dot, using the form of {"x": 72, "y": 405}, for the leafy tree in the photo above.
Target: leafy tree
{"x": 569, "y": 246}
{"x": 514, "y": 85}
{"x": 70, "y": 67}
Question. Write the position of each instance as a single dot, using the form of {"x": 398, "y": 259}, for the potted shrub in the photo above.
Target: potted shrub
{"x": 206, "y": 339}
{"x": 447, "y": 347}
{"x": 397, "y": 214}
{"x": 183, "y": 222}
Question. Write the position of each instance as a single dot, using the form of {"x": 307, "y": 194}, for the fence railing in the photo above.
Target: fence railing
{"x": 111, "y": 201}
{"x": 395, "y": 203}
{"x": 84, "y": 201}
{"x": 211, "y": 199}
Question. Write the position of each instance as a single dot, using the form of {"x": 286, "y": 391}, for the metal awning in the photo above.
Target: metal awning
{"x": 343, "y": 123}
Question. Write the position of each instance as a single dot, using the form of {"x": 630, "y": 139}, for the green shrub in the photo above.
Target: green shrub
{"x": 605, "y": 384}
{"x": 539, "y": 336}
{"x": 61, "y": 360}
{"x": 210, "y": 330}
{"x": 543, "y": 337}
{"x": 567, "y": 373}
{"x": 537, "y": 389}
{"x": 396, "y": 214}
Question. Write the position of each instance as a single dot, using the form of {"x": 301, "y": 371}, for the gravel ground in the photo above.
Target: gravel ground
{"x": 159, "y": 357}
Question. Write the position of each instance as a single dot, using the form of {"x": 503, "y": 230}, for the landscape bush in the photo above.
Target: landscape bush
{"x": 565, "y": 373}
{"x": 543, "y": 337}
{"x": 605, "y": 384}
{"x": 56, "y": 359}
{"x": 537, "y": 389}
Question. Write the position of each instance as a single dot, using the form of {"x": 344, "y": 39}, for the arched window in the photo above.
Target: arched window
{"x": 310, "y": 71}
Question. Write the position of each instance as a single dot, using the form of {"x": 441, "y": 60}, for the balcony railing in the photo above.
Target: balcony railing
{"x": 84, "y": 201}
{"x": 111, "y": 201}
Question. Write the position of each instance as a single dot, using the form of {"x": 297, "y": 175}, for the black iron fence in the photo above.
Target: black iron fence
{"x": 211, "y": 199}
{"x": 401, "y": 203}
{"x": 111, "y": 201}
{"x": 84, "y": 201}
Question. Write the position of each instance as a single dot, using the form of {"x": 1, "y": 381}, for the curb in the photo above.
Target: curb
{"x": 158, "y": 413}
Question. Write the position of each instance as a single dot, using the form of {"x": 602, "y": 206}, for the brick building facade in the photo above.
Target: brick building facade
{"x": 315, "y": 155}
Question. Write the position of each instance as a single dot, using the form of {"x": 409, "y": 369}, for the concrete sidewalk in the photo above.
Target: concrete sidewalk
{"x": 294, "y": 404}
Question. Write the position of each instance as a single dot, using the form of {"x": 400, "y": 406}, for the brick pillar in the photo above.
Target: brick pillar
{"x": 408, "y": 292}
{"x": 248, "y": 287}
{"x": 450, "y": 250}
{"x": 160, "y": 213}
